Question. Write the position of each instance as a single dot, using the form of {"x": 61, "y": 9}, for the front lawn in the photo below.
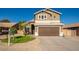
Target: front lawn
{"x": 20, "y": 39}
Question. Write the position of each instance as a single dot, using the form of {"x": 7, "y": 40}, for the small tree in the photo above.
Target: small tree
{"x": 13, "y": 31}
{"x": 22, "y": 25}
{"x": 5, "y": 20}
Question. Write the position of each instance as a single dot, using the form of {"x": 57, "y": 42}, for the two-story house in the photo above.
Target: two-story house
{"x": 47, "y": 23}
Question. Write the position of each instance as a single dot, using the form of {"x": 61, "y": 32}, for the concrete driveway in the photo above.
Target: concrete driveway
{"x": 59, "y": 43}
{"x": 44, "y": 43}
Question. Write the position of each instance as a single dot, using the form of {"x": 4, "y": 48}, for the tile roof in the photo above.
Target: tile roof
{"x": 71, "y": 25}
{"x": 3, "y": 24}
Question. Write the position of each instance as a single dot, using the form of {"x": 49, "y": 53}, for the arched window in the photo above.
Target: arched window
{"x": 45, "y": 16}
{"x": 42, "y": 17}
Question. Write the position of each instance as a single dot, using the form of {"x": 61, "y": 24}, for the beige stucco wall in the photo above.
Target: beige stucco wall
{"x": 50, "y": 15}
{"x": 54, "y": 14}
{"x": 57, "y": 16}
{"x": 20, "y": 32}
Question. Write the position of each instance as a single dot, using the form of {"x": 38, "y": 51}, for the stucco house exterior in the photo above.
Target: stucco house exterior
{"x": 47, "y": 23}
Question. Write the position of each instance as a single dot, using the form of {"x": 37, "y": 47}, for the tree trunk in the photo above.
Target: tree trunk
{"x": 8, "y": 40}
{"x": 13, "y": 37}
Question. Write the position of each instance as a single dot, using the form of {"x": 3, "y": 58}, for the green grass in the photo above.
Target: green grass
{"x": 20, "y": 39}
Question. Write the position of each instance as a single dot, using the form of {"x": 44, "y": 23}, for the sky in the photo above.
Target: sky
{"x": 69, "y": 15}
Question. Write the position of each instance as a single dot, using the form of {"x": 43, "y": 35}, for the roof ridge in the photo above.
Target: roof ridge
{"x": 47, "y": 9}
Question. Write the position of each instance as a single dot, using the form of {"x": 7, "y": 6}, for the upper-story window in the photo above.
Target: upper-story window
{"x": 39, "y": 16}
{"x": 45, "y": 16}
{"x": 42, "y": 17}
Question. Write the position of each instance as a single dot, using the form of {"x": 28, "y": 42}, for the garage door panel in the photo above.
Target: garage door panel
{"x": 48, "y": 31}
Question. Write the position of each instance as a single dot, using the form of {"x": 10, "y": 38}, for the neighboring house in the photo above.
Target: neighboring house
{"x": 71, "y": 29}
{"x": 47, "y": 23}
{"x": 4, "y": 27}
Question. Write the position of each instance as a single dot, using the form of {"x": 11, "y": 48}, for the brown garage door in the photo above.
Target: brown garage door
{"x": 48, "y": 31}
